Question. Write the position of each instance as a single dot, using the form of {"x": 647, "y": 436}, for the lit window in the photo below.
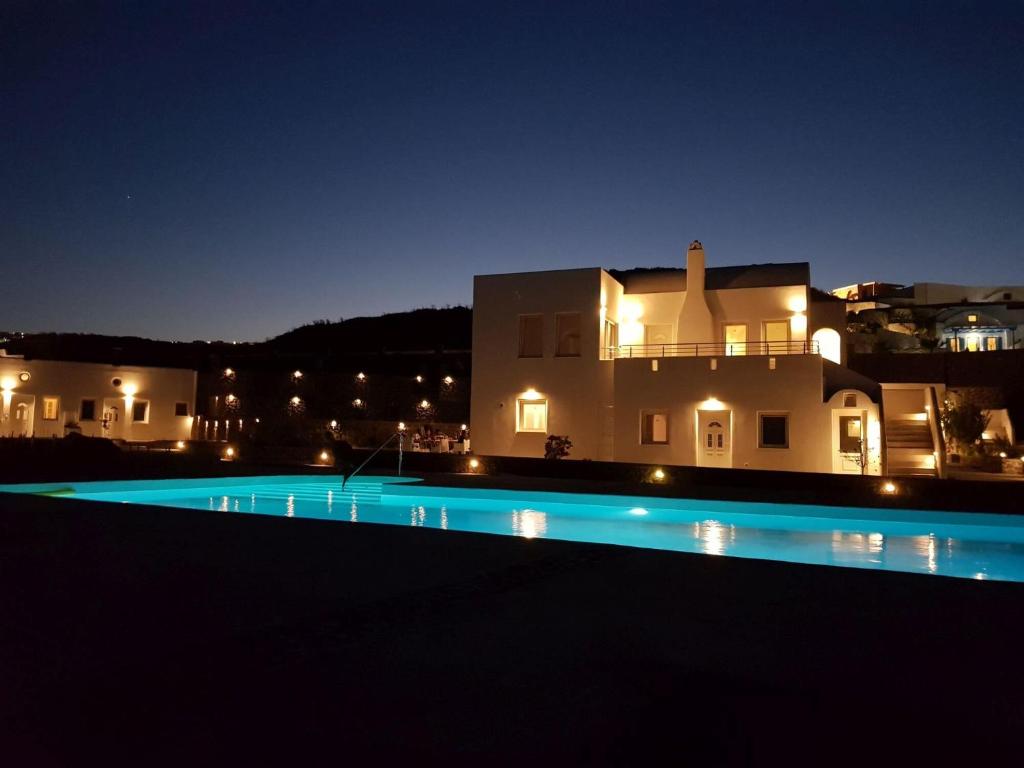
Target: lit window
{"x": 88, "y": 411}
{"x": 850, "y": 434}
{"x": 609, "y": 340}
{"x": 140, "y": 411}
{"x": 954, "y": 345}
{"x": 51, "y": 405}
{"x": 992, "y": 343}
{"x": 735, "y": 340}
{"x": 653, "y": 427}
{"x": 776, "y": 337}
{"x": 972, "y": 318}
{"x": 773, "y": 430}
{"x": 567, "y": 330}
{"x": 532, "y": 416}
{"x": 181, "y": 409}
{"x": 531, "y": 336}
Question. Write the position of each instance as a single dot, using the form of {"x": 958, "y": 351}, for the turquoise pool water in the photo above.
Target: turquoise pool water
{"x": 977, "y": 546}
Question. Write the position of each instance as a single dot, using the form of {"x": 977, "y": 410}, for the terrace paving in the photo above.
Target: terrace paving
{"x": 158, "y": 636}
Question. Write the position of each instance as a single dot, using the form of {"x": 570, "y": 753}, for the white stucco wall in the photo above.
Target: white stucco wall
{"x": 745, "y": 386}
{"x": 73, "y": 382}
{"x": 578, "y": 389}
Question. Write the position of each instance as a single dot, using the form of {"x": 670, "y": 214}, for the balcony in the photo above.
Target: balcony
{"x": 712, "y": 349}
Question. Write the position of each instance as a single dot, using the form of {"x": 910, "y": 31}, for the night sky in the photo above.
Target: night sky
{"x": 228, "y": 171}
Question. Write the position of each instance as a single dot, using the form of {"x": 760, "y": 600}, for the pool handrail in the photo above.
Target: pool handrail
{"x": 345, "y": 478}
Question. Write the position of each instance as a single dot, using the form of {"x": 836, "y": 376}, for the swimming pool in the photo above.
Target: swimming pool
{"x": 965, "y": 545}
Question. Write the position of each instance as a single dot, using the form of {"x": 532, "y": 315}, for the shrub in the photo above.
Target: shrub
{"x": 963, "y": 421}
{"x": 557, "y": 447}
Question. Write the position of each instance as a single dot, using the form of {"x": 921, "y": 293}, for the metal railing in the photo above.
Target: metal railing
{"x": 713, "y": 349}
{"x": 401, "y": 440}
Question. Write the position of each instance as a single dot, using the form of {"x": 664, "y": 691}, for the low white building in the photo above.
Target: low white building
{"x": 727, "y": 367}
{"x": 44, "y": 398}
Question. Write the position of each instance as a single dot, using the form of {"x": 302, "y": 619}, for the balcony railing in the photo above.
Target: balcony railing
{"x": 713, "y": 349}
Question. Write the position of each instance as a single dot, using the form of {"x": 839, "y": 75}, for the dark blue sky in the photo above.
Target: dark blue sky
{"x": 233, "y": 171}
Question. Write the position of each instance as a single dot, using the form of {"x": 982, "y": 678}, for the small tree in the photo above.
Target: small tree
{"x": 963, "y": 421}
{"x": 557, "y": 447}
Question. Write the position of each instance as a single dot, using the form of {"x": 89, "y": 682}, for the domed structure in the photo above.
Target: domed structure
{"x": 696, "y": 246}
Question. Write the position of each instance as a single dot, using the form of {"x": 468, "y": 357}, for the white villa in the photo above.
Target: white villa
{"x": 41, "y": 398}
{"x": 722, "y": 367}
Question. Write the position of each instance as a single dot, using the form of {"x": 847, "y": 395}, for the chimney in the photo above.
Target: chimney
{"x": 695, "y": 267}
{"x": 695, "y": 322}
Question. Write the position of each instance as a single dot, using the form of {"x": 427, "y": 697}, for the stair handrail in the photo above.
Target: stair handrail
{"x": 935, "y": 425}
{"x": 345, "y": 478}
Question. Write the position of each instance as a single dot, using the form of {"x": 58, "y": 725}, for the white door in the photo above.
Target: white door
{"x": 22, "y": 414}
{"x": 113, "y": 418}
{"x": 849, "y": 442}
{"x": 714, "y": 438}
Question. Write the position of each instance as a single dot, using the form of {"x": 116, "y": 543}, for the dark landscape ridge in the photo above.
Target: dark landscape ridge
{"x": 419, "y": 330}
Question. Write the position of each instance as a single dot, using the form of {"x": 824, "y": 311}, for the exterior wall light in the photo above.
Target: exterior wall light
{"x": 229, "y": 453}
{"x": 357, "y": 403}
{"x": 474, "y": 464}
{"x": 334, "y": 424}
{"x": 448, "y": 381}
{"x": 361, "y": 376}
{"x": 424, "y": 403}
{"x": 324, "y": 456}
{"x": 712, "y": 404}
{"x": 401, "y": 426}
{"x": 464, "y": 427}
{"x": 798, "y": 322}
{"x": 297, "y": 375}
{"x": 531, "y": 394}
{"x": 659, "y": 474}
{"x": 889, "y": 487}
{"x": 419, "y": 379}
{"x": 296, "y": 400}
{"x": 24, "y": 376}
{"x": 181, "y": 445}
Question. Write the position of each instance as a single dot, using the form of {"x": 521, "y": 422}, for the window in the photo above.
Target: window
{"x": 653, "y": 427}
{"x": 51, "y": 405}
{"x": 140, "y": 410}
{"x": 993, "y": 343}
{"x": 609, "y": 340}
{"x": 87, "y": 412}
{"x": 849, "y": 434}
{"x": 954, "y": 345}
{"x": 181, "y": 409}
{"x": 532, "y": 416}
{"x": 849, "y": 400}
{"x": 1007, "y": 296}
{"x": 531, "y": 335}
{"x": 735, "y": 340}
{"x": 567, "y": 329}
{"x": 776, "y": 337}
{"x": 972, "y": 318}
{"x": 773, "y": 431}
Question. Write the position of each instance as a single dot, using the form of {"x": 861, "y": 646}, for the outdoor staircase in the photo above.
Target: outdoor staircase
{"x": 908, "y": 445}
{"x": 358, "y": 490}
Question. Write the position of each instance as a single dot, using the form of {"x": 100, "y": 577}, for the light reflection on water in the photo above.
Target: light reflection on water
{"x": 983, "y": 551}
{"x": 529, "y": 523}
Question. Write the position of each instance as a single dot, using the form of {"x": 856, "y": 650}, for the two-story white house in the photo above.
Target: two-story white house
{"x": 44, "y": 398}
{"x": 721, "y": 367}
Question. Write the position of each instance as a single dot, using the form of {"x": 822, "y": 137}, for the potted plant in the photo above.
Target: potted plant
{"x": 557, "y": 447}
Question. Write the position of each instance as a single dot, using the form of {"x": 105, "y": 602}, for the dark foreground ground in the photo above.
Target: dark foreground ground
{"x": 148, "y": 636}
